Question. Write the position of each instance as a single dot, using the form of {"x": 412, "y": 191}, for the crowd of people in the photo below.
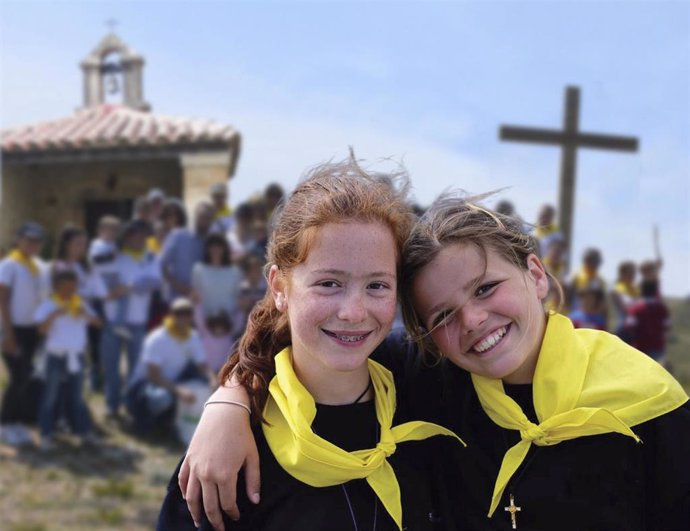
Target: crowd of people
{"x": 169, "y": 295}
{"x": 173, "y": 296}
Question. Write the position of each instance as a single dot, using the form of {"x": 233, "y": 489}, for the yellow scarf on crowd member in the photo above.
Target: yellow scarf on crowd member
{"x": 72, "y": 305}
{"x": 584, "y": 278}
{"x": 223, "y": 212}
{"x": 153, "y": 245}
{"x": 134, "y": 254}
{"x": 27, "y": 261}
{"x": 631, "y": 290}
{"x": 587, "y": 382}
{"x": 543, "y": 231}
{"x": 290, "y": 411}
{"x": 169, "y": 324}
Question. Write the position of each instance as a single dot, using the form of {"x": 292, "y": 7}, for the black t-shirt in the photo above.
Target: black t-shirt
{"x": 290, "y": 505}
{"x": 596, "y": 483}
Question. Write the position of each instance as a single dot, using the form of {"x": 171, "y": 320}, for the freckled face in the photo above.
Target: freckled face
{"x": 341, "y": 301}
{"x": 486, "y": 317}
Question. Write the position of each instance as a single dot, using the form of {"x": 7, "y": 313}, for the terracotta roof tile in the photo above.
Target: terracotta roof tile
{"x": 112, "y": 126}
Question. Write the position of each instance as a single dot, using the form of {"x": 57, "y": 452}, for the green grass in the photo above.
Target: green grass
{"x": 114, "y": 488}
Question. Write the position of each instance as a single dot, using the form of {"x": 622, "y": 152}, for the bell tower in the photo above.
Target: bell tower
{"x": 113, "y": 73}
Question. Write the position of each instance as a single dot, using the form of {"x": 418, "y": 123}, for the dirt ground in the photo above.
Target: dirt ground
{"x": 120, "y": 484}
{"x": 116, "y": 485}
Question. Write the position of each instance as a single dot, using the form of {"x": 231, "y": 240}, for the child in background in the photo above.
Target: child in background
{"x": 103, "y": 253}
{"x": 648, "y": 321}
{"x": 217, "y": 335}
{"x": 586, "y": 315}
{"x": 63, "y": 318}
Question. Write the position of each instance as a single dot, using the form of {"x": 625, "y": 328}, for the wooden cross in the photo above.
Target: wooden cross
{"x": 570, "y": 139}
{"x": 513, "y": 509}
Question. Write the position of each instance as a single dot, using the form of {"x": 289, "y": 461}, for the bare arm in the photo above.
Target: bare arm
{"x": 223, "y": 443}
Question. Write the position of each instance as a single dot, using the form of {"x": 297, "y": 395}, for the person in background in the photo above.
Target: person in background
{"x": 241, "y": 237}
{"x": 649, "y": 270}
{"x": 155, "y": 198}
{"x": 138, "y": 272}
{"x": 172, "y": 354}
{"x": 546, "y": 229}
{"x": 586, "y": 315}
{"x": 20, "y": 295}
{"x": 260, "y": 246}
{"x": 63, "y": 319}
{"x": 223, "y": 219}
{"x": 216, "y": 280}
{"x": 253, "y": 287}
{"x": 274, "y": 195}
{"x": 588, "y": 278}
{"x": 101, "y": 258}
{"x": 182, "y": 249}
{"x": 173, "y": 215}
{"x": 624, "y": 294}
{"x": 159, "y": 305}
{"x": 142, "y": 212}
{"x": 648, "y": 322}
{"x": 71, "y": 255}
{"x": 218, "y": 334}
{"x": 154, "y": 243}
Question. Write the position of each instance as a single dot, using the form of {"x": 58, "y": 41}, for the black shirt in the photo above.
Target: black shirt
{"x": 290, "y": 505}
{"x": 603, "y": 482}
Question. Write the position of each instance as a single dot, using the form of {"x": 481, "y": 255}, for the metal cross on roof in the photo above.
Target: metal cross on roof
{"x": 570, "y": 139}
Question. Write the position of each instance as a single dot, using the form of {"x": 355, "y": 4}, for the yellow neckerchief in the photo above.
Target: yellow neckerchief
{"x": 587, "y": 382}
{"x": 545, "y": 230}
{"x": 625, "y": 288}
{"x": 27, "y": 261}
{"x": 153, "y": 245}
{"x": 290, "y": 411}
{"x": 72, "y": 305}
{"x": 223, "y": 212}
{"x": 134, "y": 254}
{"x": 583, "y": 278}
{"x": 169, "y": 325}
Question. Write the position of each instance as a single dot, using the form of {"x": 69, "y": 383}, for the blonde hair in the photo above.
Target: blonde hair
{"x": 330, "y": 193}
{"x": 455, "y": 219}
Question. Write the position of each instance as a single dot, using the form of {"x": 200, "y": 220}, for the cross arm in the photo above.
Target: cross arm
{"x": 555, "y": 137}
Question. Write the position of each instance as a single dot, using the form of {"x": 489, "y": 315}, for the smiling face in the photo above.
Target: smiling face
{"x": 484, "y": 315}
{"x": 341, "y": 300}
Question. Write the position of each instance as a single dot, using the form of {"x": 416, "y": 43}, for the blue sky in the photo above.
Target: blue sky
{"x": 426, "y": 82}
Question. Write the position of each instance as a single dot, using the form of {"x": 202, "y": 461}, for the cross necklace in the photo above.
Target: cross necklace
{"x": 513, "y": 509}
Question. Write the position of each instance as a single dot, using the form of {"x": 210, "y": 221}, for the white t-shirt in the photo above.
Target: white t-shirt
{"x": 169, "y": 354}
{"x": 90, "y": 284}
{"x": 217, "y": 287}
{"x": 26, "y": 290}
{"x": 67, "y": 334}
{"x": 143, "y": 277}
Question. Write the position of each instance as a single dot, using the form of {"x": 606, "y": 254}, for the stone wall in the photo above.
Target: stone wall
{"x": 55, "y": 194}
